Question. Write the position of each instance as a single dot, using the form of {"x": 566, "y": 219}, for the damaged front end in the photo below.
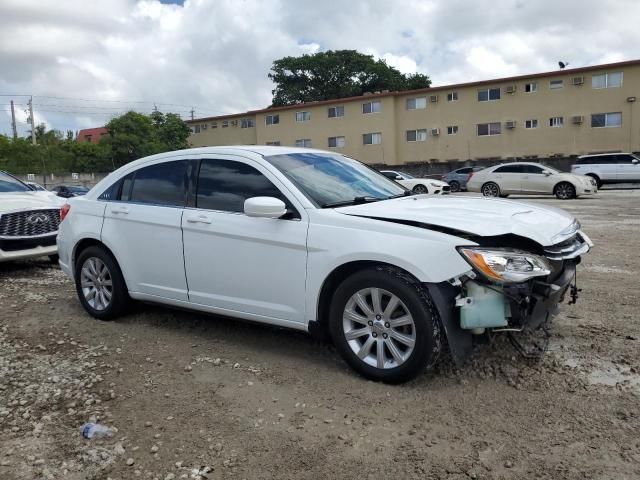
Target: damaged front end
{"x": 514, "y": 286}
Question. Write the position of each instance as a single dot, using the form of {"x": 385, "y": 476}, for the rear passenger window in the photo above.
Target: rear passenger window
{"x": 161, "y": 184}
{"x": 225, "y": 184}
{"x": 624, "y": 159}
{"x": 111, "y": 193}
{"x": 510, "y": 169}
{"x": 465, "y": 170}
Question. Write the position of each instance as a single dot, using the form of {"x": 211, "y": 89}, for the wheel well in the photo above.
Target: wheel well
{"x": 320, "y": 330}
{"x": 86, "y": 243}
{"x": 560, "y": 183}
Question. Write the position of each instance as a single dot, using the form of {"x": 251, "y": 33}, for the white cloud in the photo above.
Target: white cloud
{"x": 215, "y": 55}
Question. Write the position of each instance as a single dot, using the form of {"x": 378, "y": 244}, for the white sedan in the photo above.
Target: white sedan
{"x": 530, "y": 178}
{"x": 316, "y": 241}
{"x": 418, "y": 185}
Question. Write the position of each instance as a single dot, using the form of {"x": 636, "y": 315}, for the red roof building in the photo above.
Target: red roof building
{"x": 92, "y": 135}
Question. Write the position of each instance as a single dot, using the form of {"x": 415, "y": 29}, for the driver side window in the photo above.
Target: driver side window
{"x": 224, "y": 185}
{"x": 534, "y": 169}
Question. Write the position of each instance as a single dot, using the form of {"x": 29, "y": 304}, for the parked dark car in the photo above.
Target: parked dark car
{"x": 457, "y": 179}
{"x": 68, "y": 191}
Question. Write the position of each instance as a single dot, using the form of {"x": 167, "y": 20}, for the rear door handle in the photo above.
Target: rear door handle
{"x": 198, "y": 219}
{"x": 123, "y": 210}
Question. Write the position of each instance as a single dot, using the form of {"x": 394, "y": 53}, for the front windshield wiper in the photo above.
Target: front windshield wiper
{"x": 406, "y": 193}
{"x": 353, "y": 201}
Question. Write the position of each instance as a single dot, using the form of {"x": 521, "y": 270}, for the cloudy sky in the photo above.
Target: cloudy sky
{"x": 84, "y": 61}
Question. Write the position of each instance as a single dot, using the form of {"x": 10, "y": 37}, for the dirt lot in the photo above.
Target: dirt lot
{"x": 205, "y": 397}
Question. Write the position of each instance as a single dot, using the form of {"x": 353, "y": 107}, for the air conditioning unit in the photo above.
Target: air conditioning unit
{"x": 510, "y": 124}
{"x": 234, "y": 123}
{"x": 433, "y": 98}
{"x": 577, "y": 119}
{"x": 510, "y": 89}
{"x": 435, "y": 132}
{"x": 577, "y": 80}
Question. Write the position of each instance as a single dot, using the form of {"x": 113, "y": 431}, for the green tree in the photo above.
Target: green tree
{"x": 132, "y": 136}
{"x": 336, "y": 74}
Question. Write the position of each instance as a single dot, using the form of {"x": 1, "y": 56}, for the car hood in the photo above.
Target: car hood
{"x": 475, "y": 215}
{"x": 16, "y": 201}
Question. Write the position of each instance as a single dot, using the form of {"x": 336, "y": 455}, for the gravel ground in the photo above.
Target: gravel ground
{"x": 201, "y": 397}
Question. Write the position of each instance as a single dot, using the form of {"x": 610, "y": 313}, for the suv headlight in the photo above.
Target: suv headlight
{"x": 506, "y": 265}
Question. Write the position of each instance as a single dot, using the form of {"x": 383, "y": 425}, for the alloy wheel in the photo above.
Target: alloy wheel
{"x": 96, "y": 283}
{"x": 565, "y": 191}
{"x": 420, "y": 189}
{"x": 455, "y": 186}
{"x": 379, "y": 328}
{"x": 491, "y": 190}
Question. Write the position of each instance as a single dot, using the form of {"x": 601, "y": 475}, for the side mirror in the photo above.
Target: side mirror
{"x": 547, "y": 173}
{"x": 635, "y": 161}
{"x": 264, "y": 207}
{"x": 398, "y": 177}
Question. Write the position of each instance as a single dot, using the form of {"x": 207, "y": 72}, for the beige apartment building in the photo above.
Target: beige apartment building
{"x": 560, "y": 113}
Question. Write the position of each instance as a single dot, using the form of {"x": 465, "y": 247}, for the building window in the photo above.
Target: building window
{"x": 599, "y": 120}
{"x": 225, "y": 123}
{"x": 303, "y": 116}
{"x": 488, "y": 94}
{"x": 556, "y": 122}
{"x": 247, "y": 123}
{"x": 272, "y": 119}
{"x": 531, "y": 123}
{"x": 452, "y": 129}
{"x": 372, "y": 138}
{"x": 335, "y": 112}
{"x": 371, "y": 107}
{"x": 554, "y": 84}
{"x": 452, "y": 96}
{"x": 607, "y": 80}
{"x": 417, "y": 103}
{"x": 489, "y": 129}
{"x": 417, "y": 135}
{"x": 196, "y": 129}
{"x": 336, "y": 142}
{"x": 531, "y": 87}
{"x": 304, "y": 142}
{"x": 214, "y": 124}
{"x": 275, "y": 143}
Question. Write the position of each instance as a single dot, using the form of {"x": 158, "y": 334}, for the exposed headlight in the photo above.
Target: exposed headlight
{"x": 506, "y": 265}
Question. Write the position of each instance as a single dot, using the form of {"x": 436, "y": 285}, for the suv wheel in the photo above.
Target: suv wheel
{"x": 384, "y": 324}
{"x": 455, "y": 186}
{"x": 564, "y": 191}
{"x": 491, "y": 189}
{"x": 99, "y": 284}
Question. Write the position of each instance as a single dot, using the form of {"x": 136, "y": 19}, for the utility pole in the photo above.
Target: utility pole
{"x": 33, "y": 128}
{"x": 13, "y": 122}
{"x": 193, "y": 112}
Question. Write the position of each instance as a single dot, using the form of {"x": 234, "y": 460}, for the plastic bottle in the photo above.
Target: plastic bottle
{"x": 95, "y": 430}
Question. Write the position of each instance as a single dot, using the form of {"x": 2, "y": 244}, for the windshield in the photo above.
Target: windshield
{"x": 406, "y": 175}
{"x": 10, "y": 184}
{"x": 327, "y": 178}
{"x": 77, "y": 189}
{"x": 552, "y": 170}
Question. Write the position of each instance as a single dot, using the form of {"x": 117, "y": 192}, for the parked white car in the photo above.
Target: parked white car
{"x": 609, "y": 167}
{"x": 318, "y": 242}
{"x": 530, "y": 178}
{"x": 418, "y": 185}
{"x": 28, "y": 220}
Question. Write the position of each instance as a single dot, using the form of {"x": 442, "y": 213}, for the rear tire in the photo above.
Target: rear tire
{"x": 384, "y": 324}
{"x": 564, "y": 191}
{"x": 455, "y": 186}
{"x": 490, "y": 189}
{"x": 100, "y": 285}
{"x": 597, "y": 179}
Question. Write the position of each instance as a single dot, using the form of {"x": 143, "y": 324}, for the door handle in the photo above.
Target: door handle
{"x": 123, "y": 210}
{"x": 198, "y": 219}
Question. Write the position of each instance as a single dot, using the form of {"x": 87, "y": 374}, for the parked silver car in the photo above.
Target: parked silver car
{"x": 609, "y": 167}
{"x": 457, "y": 179}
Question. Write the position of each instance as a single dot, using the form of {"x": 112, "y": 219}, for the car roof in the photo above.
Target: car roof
{"x": 604, "y": 154}
{"x": 519, "y": 163}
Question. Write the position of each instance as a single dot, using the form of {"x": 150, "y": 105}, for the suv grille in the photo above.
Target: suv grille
{"x": 30, "y": 223}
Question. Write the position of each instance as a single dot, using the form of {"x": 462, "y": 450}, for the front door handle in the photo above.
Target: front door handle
{"x": 198, "y": 219}
{"x": 123, "y": 210}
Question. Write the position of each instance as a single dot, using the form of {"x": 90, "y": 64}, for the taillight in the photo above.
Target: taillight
{"x": 64, "y": 210}
{"x": 469, "y": 177}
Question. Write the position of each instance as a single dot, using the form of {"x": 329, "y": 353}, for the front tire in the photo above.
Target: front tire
{"x": 99, "y": 284}
{"x": 564, "y": 191}
{"x": 455, "y": 186}
{"x": 384, "y": 324}
{"x": 490, "y": 189}
{"x": 420, "y": 189}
